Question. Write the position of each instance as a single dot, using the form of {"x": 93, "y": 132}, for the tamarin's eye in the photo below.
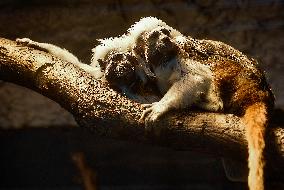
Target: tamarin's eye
{"x": 167, "y": 41}
{"x": 102, "y": 64}
{"x": 165, "y": 31}
{"x": 117, "y": 57}
{"x": 154, "y": 35}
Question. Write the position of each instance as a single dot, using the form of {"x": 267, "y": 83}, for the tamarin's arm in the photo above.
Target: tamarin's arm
{"x": 50, "y": 48}
{"x": 183, "y": 93}
{"x": 62, "y": 54}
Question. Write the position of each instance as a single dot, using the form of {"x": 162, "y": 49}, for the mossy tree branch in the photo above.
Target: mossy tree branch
{"x": 110, "y": 114}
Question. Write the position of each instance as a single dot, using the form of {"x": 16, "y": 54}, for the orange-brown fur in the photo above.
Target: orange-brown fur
{"x": 245, "y": 92}
{"x": 255, "y": 119}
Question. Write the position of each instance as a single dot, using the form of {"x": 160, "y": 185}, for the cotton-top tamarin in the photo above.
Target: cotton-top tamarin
{"x": 187, "y": 72}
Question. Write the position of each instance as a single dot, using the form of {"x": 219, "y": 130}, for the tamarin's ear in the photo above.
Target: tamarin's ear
{"x": 140, "y": 47}
{"x": 102, "y": 64}
{"x": 147, "y": 70}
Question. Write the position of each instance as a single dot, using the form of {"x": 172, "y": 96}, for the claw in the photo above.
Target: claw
{"x": 146, "y": 105}
{"x": 145, "y": 113}
{"x": 150, "y": 116}
{"x": 30, "y": 43}
{"x": 23, "y": 40}
{"x": 152, "y": 113}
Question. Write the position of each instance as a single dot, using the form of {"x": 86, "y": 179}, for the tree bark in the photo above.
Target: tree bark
{"x": 94, "y": 104}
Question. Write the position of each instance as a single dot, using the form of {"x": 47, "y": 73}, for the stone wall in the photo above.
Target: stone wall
{"x": 255, "y": 27}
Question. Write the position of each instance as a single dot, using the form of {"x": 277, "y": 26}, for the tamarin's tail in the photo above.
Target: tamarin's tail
{"x": 256, "y": 119}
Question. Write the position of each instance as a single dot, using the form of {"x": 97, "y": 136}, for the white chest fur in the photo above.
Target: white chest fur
{"x": 174, "y": 70}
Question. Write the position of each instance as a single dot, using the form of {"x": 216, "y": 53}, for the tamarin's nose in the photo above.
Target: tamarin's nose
{"x": 165, "y": 39}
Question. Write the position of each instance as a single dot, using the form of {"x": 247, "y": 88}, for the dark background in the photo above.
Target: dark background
{"x": 38, "y": 154}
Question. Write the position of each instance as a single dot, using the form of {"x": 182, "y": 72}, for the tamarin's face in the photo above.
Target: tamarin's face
{"x": 160, "y": 46}
{"x": 119, "y": 68}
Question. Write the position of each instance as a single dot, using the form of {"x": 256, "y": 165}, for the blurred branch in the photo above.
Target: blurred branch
{"x": 110, "y": 114}
{"x": 87, "y": 174}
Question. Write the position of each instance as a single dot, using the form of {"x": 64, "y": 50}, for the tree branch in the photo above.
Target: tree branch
{"x": 110, "y": 114}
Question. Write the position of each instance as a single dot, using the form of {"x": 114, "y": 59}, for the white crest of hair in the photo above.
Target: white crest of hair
{"x": 180, "y": 39}
{"x": 128, "y": 41}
